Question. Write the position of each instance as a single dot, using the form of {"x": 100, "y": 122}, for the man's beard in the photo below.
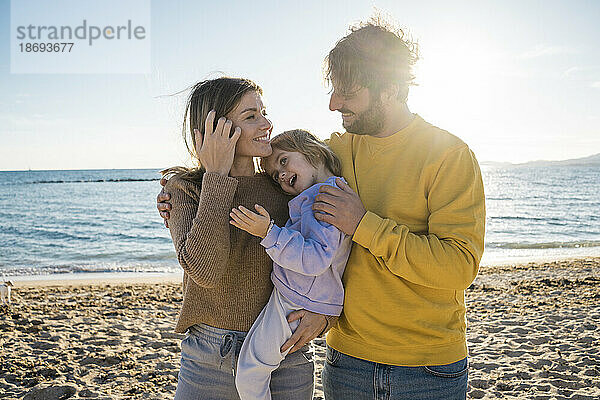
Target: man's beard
{"x": 368, "y": 122}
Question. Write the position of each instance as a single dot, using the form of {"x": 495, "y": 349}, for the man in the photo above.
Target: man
{"x": 415, "y": 210}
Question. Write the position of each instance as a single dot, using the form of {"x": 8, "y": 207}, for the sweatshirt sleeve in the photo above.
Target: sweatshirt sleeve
{"x": 200, "y": 226}
{"x": 448, "y": 256}
{"x": 309, "y": 252}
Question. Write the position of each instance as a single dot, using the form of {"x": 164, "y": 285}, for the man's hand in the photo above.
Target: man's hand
{"x": 341, "y": 207}
{"x": 162, "y": 203}
{"x": 311, "y": 325}
{"x": 254, "y": 224}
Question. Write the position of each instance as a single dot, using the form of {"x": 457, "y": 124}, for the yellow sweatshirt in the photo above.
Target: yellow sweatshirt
{"x": 416, "y": 249}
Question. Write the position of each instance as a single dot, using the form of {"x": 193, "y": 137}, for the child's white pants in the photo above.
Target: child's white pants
{"x": 260, "y": 354}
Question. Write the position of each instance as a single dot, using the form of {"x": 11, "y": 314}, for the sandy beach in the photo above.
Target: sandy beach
{"x": 532, "y": 331}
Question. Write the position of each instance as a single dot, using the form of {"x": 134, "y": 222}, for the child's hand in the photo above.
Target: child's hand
{"x": 254, "y": 224}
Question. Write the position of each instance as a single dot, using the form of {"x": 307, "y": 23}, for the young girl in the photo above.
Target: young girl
{"x": 309, "y": 256}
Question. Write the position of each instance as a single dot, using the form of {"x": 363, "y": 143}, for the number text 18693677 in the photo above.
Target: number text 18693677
{"x": 46, "y": 47}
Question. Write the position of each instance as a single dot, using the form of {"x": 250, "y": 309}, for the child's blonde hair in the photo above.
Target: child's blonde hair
{"x": 311, "y": 147}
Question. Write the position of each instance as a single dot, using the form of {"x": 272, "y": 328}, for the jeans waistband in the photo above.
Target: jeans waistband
{"x": 226, "y": 339}
{"x": 217, "y": 334}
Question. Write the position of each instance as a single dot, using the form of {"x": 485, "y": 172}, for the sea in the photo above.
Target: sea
{"x": 77, "y": 222}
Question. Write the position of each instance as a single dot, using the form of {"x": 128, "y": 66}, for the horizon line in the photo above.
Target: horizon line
{"x": 158, "y": 169}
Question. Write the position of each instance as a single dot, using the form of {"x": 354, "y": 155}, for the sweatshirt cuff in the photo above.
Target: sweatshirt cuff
{"x": 271, "y": 239}
{"x": 366, "y": 229}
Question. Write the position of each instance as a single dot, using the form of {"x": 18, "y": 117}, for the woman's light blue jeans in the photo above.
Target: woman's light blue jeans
{"x": 209, "y": 358}
{"x": 346, "y": 377}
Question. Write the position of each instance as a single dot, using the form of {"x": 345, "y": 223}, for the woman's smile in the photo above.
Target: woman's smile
{"x": 263, "y": 139}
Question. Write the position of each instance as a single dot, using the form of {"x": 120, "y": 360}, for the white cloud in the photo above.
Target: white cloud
{"x": 541, "y": 50}
{"x": 589, "y": 75}
{"x": 573, "y": 72}
{"x": 582, "y": 72}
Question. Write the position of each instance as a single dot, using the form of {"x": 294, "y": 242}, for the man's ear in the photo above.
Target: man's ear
{"x": 391, "y": 93}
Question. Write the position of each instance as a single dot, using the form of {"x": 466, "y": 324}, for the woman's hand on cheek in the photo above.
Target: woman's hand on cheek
{"x": 215, "y": 148}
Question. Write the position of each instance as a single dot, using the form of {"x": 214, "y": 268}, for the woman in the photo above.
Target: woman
{"x": 226, "y": 270}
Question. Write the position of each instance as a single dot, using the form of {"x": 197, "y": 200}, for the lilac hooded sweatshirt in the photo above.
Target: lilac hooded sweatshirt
{"x": 309, "y": 256}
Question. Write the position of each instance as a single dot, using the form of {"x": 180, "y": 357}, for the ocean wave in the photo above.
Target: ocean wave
{"x": 124, "y": 236}
{"x": 69, "y": 237}
{"x": 546, "y": 245}
{"x": 83, "y": 181}
{"x": 46, "y": 234}
{"x": 522, "y": 218}
{"x": 91, "y": 268}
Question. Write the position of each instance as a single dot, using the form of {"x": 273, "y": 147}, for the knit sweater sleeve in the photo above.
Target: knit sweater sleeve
{"x": 199, "y": 225}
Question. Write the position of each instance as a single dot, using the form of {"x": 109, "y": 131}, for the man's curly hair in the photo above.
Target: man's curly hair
{"x": 374, "y": 55}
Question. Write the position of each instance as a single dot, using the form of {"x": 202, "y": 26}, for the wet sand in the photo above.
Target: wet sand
{"x": 532, "y": 330}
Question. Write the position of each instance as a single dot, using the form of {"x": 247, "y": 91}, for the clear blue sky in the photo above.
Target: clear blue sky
{"x": 516, "y": 80}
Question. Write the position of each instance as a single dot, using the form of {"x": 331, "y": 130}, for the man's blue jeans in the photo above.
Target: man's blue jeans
{"x": 350, "y": 378}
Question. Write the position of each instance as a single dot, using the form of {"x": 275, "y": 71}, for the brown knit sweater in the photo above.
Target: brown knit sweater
{"x": 226, "y": 280}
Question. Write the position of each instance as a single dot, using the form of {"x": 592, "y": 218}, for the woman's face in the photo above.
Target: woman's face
{"x": 250, "y": 116}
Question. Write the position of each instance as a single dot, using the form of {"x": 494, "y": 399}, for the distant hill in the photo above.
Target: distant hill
{"x": 587, "y": 161}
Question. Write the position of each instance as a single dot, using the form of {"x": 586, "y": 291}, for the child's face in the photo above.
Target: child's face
{"x": 290, "y": 170}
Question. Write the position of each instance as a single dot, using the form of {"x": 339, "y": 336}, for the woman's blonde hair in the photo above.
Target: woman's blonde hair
{"x": 220, "y": 94}
{"x": 311, "y": 147}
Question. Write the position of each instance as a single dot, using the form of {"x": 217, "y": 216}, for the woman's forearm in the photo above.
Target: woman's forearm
{"x": 200, "y": 228}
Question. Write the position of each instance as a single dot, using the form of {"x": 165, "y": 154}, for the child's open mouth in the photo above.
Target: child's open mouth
{"x": 293, "y": 180}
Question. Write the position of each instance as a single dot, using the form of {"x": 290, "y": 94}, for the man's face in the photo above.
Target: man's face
{"x": 361, "y": 114}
